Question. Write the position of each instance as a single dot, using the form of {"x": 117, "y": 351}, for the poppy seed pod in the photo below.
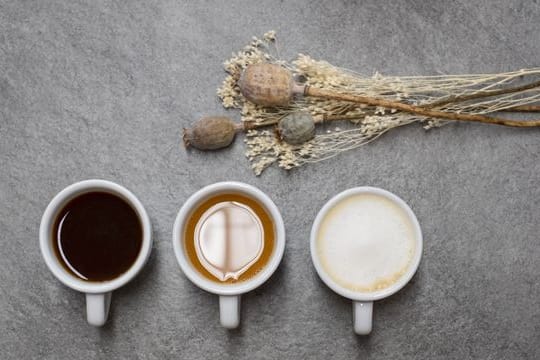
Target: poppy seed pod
{"x": 296, "y": 128}
{"x": 267, "y": 84}
{"x": 210, "y": 133}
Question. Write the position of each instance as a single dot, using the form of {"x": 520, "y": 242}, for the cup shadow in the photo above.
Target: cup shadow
{"x": 251, "y": 303}
{"x": 133, "y": 287}
{"x": 403, "y": 296}
{"x": 250, "y": 308}
{"x": 274, "y": 282}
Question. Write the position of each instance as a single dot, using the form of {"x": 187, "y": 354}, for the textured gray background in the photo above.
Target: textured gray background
{"x": 101, "y": 89}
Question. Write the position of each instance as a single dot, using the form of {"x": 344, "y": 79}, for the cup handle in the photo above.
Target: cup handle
{"x": 97, "y": 308}
{"x": 362, "y": 317}
{"x": 229, "y": 311}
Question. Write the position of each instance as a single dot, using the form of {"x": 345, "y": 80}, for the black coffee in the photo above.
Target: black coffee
{"x": 97, "y": 236}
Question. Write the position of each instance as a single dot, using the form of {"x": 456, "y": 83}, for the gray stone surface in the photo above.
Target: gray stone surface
{"x": 101, "y": 89}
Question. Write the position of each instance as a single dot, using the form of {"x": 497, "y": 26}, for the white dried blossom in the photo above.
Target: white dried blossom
{"x": 270, "y": 36}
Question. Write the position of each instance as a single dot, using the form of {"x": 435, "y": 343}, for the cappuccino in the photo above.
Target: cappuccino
{"x": 365, "y": 242}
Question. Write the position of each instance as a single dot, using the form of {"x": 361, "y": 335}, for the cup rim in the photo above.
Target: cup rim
{"x": 193, "y": 275}
{"x": 375, "y": 295}
{"x": 47, "y": 222}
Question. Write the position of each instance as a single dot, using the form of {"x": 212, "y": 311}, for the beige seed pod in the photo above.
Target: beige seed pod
{"x": 210, "y": 133}
{"x": 267, "y": 84}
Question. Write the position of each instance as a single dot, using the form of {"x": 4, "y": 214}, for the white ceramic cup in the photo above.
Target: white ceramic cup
{"x": 363, "y": 301}
{"x": 98, "y": 294}
{"x": 229, "y": 294}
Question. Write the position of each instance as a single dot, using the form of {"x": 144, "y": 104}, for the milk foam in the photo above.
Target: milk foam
{"x": 365, "y": 242}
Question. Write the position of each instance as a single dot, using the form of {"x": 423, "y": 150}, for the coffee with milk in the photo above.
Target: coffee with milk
{"x": 365, "y": 242}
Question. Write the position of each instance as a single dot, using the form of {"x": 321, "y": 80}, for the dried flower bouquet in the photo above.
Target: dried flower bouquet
{"x": 367, "y": 106}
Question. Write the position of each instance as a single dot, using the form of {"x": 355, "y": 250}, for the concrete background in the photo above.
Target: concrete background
{"x": 101, "y": 89}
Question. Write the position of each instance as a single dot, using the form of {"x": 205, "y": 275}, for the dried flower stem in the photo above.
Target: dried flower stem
{"x": 523, "y": 108}
{"x": 412, "y": 109}
{"x": 480, "y": 94}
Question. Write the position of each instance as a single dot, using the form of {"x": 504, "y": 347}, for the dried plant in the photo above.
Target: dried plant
{"x": 477, "y": 94}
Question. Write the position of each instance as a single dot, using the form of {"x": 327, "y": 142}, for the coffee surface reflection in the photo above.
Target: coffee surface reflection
{"x": 229, "y": 239}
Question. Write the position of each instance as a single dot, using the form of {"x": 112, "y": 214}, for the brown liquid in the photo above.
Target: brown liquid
{"x": 97, "y": 236}
{"x": 260, "y": 212}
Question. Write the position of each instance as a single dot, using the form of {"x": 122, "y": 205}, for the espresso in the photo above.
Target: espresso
{"x": 229, "y": 238}
{"x": 366, "y": 242}
{"x": 97, "y": 236}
